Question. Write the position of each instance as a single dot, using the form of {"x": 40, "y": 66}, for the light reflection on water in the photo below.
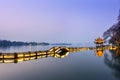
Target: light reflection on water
{"x": 83, "y": 65}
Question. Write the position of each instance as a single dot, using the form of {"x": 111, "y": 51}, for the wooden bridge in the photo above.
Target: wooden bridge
{"x": 57, "y": 52}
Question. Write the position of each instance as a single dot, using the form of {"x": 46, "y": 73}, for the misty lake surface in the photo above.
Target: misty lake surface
{"x": 84, "y": 65}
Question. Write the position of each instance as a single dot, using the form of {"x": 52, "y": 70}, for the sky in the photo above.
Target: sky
{"x": 56, "y": 21}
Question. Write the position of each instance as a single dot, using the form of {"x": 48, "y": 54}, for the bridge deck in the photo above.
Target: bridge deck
{"x": 53, "y": 52}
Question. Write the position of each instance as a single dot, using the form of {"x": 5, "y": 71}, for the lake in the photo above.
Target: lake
{"x": 84, "y": 65}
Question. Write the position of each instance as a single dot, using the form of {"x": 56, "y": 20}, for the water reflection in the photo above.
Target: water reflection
{"x": 15, "y": 57}
{"x": 73, "y": 67}
{"x": 112, "y": 60}
{"x": 99, "y": 53}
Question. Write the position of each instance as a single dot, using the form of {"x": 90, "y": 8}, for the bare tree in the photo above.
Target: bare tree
{"x": 113, "y": 33}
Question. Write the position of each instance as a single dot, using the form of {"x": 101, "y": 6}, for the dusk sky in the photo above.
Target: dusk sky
{"x": 72, "y": 21}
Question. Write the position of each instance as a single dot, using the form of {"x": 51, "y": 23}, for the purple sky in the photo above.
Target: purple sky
{"x": 52, "y": 21}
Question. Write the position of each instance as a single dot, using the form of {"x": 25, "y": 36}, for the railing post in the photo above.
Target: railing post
{"x": 3, "y": 58}
{"x": 15, "y": 55}
{"x": 36, "y": 55}
{"x": 15, "y": 58}
{"x": 46, "y": 54}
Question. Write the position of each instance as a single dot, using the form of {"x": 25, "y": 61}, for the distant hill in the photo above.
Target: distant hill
{"x": 19, "y": 43}
{"x": 61, "y": 44}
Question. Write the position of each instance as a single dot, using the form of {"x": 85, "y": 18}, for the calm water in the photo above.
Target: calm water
{"x": 83, "y": 65}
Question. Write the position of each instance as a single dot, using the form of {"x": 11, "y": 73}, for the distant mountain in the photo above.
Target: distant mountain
{"x": 43, "y": 43}
{"x": 19, "y": 43}
{"x": 61, "y": 44}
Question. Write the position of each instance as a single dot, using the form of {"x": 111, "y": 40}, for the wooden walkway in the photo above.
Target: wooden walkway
{"x": 57, "y": 52}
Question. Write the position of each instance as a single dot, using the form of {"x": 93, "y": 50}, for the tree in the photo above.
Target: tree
{"x": 113, "y": 33}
